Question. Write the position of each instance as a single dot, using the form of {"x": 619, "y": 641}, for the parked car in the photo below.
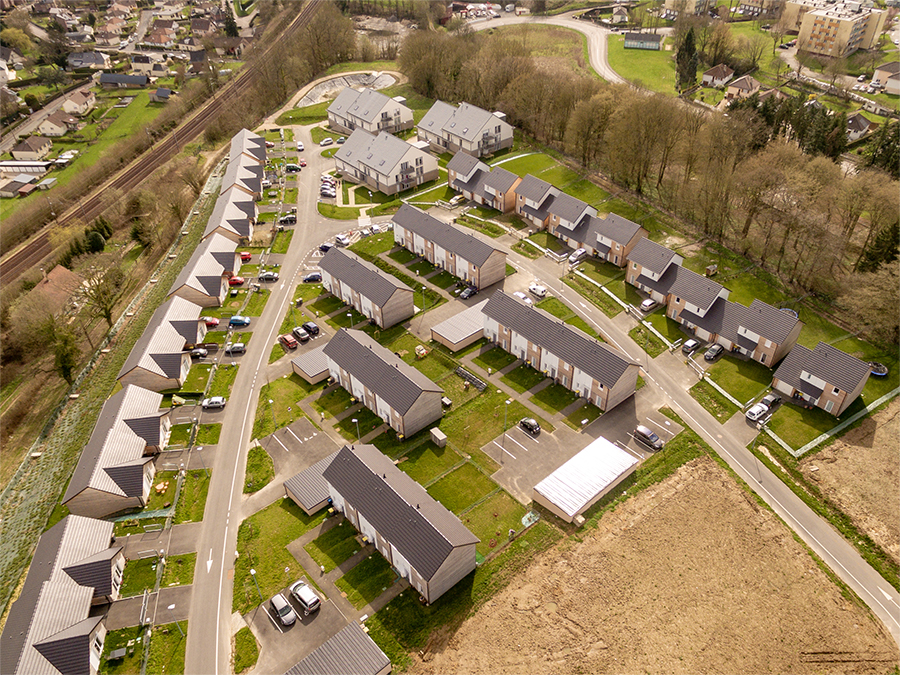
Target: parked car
{"x": 690, "y": 346}
{"x": 342, "y": 240}
{"x": 289, "y": 219}
{"x": 757, "y": 411}
{"x": 300, "y": 334}
{"x": 246, "y": 256}
{"x": 376, "y": 228}
{"x": 468, "y": 292}
{"x": 268, "y": 276}
{"x": 307, "y": 598}
{"x": 302, "y": 162}
{"x": 771, "y": 400}
{"x": 300, "y": 146}
{"x": 312, "y": 278}
{"x": 327, "y": 194}
{"x": 239, "y": 321}
{"x": 270, "y": 144}
{"x": 340, "y": 141}
{"x": 288, "y": 341}
{"x": 214, "y": 402}
{"x": 283, "y": 610}
{"x": 291, "y": 168}
{"x": 236, "y": 348}
{"x": 311, "y": 328}
{"x": 714, "y": 352}
{"x": 537, "y": 290}
{"x": 530, "y": 425}
{"x": 199, "y": 353}
{"x": 649, "y": 305}
{"x": 648, "y": 437}
{"x": 861, "y": 78}
{"x": 578, "y": 256}
{"x": 524, "y": 298}
{"x": 326, "y": 141}
{"x": 210, "y": 321}
{"x": 365, "y": 232}
{"x": 325, "y": 247}
{"x": 236, "y": 281}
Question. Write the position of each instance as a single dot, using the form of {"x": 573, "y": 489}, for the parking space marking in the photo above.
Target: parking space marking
{"x": 517, "y": 442}
{"x": 286, "y": 449}
{"x": 294, "y": 435}
{"x": 504, "y": 450}
{"x": 272, "y": 619}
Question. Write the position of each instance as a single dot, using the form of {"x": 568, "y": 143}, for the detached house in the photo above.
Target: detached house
{"x": 116, "y": 469}
{"x": 467, "y": 128}
{"x": 416, "y": 534}
{"x": 824, "y": 377}
{"x": 388, "y": 386}
{"x": 58, "y": 124}
{"x": 369, "y": 110}
{"x": 581, "y": 364}
{"x": 384, "y": 162}
{"x": 476, "y": 181}
{"x": 32, "y": 148}
{"x": 55, "y": 627}
{"x": 80, "y": 103}
{"x": 93, "y": 60}
{"x": 743, "y": 87}
{"x": 204, "y": 279}
{"x": 858, "y": 126}
{"x": 533, "y": 200}
{"x": 380, "y": 297}
{"x": 717, "y": 76}
{"x": 449, "y": 248}
{"x": 119, "y": 81}
{"x": 158, "y": 360}
{"x": 889, "y": 76}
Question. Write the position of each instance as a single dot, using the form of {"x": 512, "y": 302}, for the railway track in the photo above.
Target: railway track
{"x": 33, "y": 252}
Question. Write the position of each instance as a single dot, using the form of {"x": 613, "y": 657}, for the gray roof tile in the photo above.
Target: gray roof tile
{"x": 380, "y": 370}
{"x": 362, "y": 276}
{"x": 570, "y": 209}
{"x": 381, "y": 153}
{"x": 500, "y": 179}
{"x": 535, "y": 189}
{"x": 309, "y": 486}
{"x": 464, "y": 163}
{"x": 365, "y": 104}
{"x": 160, "y": 345}
{"x": 350, "y": 652}
{"x": 654, "y": 257}
{"x": 420, "y": 528}
{"x": 616, "y": 228}
{"x": 443, "y": 234}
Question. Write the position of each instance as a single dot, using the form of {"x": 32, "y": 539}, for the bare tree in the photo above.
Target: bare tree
{"x": 102, "y": 290}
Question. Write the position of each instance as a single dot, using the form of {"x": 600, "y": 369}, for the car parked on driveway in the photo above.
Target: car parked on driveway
{"x": 214, "y": 402}
{"x": 771, "y": 400}
{"x": 648, "y": 437}
{"x": 312, "y": 278}
{"x": 236, "y": 281}
{"x": 690, "y": 346}
{"x": 530, "y": 425}
{"x": 311, "y": 328}
{"x": 236, "y": 348}
{"x": 757, "y": 412}
{"x": 577, "y": 256}
{"x": 537, "y": 290}
{"x": 300, "y": 334}
{"x": 282, "y": 610}
{"x": 326, "y": 141}
{"x": 524, "y": 298}
{"x": 199, "y": 353}
{"x": 714, "y": 352}
{"x": 649, "y": 305}
{"x": 288, "y": 341}
{"x": 239, "y": 321}
{"x": 305, "y": 596}
{"x": 468, "y": 292}
{"x": 268, "y": 276}
{"x": 246, "y": 256}
{"x": 210, "y": 321}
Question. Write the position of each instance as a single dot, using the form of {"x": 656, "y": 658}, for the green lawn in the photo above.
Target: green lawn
{"x": 600, "y": 271}
{"x": 583, "y": 416}
{"x": 257, "y": 302}
{"x": 167, "y": 645}
{"x": 334, "y": 546}
{"x": 365, "y": 582}
{"x": 310, "y": 114}
{"x": 495, "y": 359}
{"x": 435, "y": 365}
{"x": 197, "y": 377}
{"x": 260, "y": 470}
{"x": 590, "y": 292}
{"x": 159, "y": 500}
{"x": 492, "y": 520}
{"x": 130, "y": 664}
{"x": 461, "y": 488}
{"x": 125, "y": 528}
{"x": 342, "y": 320}
{"x": 798, "y": 426}
{"x": 546, "y": 240}
{"x": 179, "y": 570}
{"x": 223, "y": 379}
{"x": 669, "y": 328}
{"x": 402, "y": 256}
{"x": 285, "y": 393}
{"x": 444, "y": 192}
{"x": 560, "y": 176}
{"x": 180, "y": 434}
{"x": 654, "y": 70}
{"x": 282, "y": 240}
{"x": 523, "y": 378}
{"x": 647, "y": 340}
{"x": 717, "y": 405}
{"x": 333, "y": 403}
{"x": 554, "y": 398}
{"x": 442, "y": 279}
{"x": 246, "y": 650}
{"x": 374, "y": 245}
{"x": 526, "y": 249}
{"x": 743, "y": 379}
{"x": 428, "y": 461}
{"x": 484, "y": 226}
{"x": 319, "y": 133}
{"x": 532, "y": 163}
{"x": 192, "y": 500}
{"x": 208, "y": 434}
{"x": 365, "y": 418}
{"x": 261, "y": 545}
{"x": 138, "y": 576}
{"x": 587, "y": 192}
{"x": 327, "y": 304}
{"x": 421, "y": 268}
{"x": 338, "y": 212}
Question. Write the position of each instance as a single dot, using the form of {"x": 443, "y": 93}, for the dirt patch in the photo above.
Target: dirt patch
{"x": 691, "y": 576}
{"x": 859, "y": 473}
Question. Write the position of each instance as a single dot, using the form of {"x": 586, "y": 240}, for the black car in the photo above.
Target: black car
{"x": 310, "y": 328}
{"x": 468, "y": 292}
{"x": 648, "y": 437}
{"x": 771, "y": 400}
{"x": 325, "y": 247}
{"x": 312, "y": 277}
{"x": 714, "y": 352}
{"x": 530, "y": 425}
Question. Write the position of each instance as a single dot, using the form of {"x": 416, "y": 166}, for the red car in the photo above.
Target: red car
{"x": 245, "y": 256}
{"x": 302, "y": 162}
{"x": 236, "y": 281}
{"x": 211, "y": 321}
{"x": 270, "y": 144}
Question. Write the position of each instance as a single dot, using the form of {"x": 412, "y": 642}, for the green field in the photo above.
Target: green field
{"x": 654, "y": 70}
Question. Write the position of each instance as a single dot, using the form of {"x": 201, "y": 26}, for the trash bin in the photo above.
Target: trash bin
{"x": 299, "y": 301}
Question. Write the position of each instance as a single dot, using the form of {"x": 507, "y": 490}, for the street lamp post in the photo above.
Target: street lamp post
{"x": 505, "y": 420}
{"x": 171, "y": 607}
{"x": 358, "y": 437}
{"x": 423, "y": 299}
{"x": 253, "y": 574}
{"x": 200, "y": 452}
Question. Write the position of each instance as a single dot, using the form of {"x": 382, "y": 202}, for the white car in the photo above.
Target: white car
{"x": 538, "y": 290}
{"x": 326, "y": 141}
{"x": 214, "y": 402}
{"x": 342, "y": 240}
{"x": 757, "y": 412}
{"x": 524, "y": 298}
{"x": 300, "y": 146}
{"x": 577, "y": 256}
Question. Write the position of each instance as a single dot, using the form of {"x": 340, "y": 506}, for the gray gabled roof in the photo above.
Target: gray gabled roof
{"x": 380, "y": 153}
{"x": 213, "y": 258}
{"x": 159, "y": 348}
{"x": 245, "y": 142}
{"x": 365, "y": 104}
{"x": 570, "y": 209}
{"x": 234, "y": 211}
{"x": 362, "y": 276}
{"x": 340, "y": 105}
{"x": 569, "y": 344}
{"x": 463, "y": 163}
{"x": 768, "y": 321}
{"x": 725, "y": 318}
{"x": 695, "y": 288}
{"x": 436, "y": 117}
{"x": 836, "y": 368}
{"x": 535, "y": 189}
{"x": 422, "y": 530}
{"x": 380, "y": 370}
{"x": 443, "y": 234}
{"x": 244, "y": 172}
{"x": 128, "y": 423}
{"x": 309, "y": 487}
{"x": 51, "y": 601}
{"x": 500, "y": 179}
{"x": 117, "y": 78}
{"x": 350, "y": 652}
{"x": 652, "y": 256}
{"x": 468, "y": 121}
{"x": 858, "y": 122}
{"x": 616, "y": 228}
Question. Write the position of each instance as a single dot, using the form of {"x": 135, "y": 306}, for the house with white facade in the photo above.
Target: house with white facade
{"x": 204, "y": 279}
{"x": 473, "y": 130}
{"x": 369, "y": 110}
{"x": 384, "y": 162}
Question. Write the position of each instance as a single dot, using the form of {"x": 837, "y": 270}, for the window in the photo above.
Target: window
{"x": 829, "y": 405}
{"x": 836, "y": 391}
{"x": 634, "y": 267}
{"x": 497, "y": 129}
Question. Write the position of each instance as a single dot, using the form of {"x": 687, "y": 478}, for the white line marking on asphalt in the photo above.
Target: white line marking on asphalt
{"x": 209, "y": 562}
{"x": 294, "y": 435}
{"x": 280, "y": 443}
{"x": 504, "y": 450}
{"x": 268, "y": 614}
{"x": 517, "y": 442}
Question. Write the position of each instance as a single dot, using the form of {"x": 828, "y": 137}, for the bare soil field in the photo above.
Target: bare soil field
{"x": 860, "y": 472}
{"x": 690, "y": 576}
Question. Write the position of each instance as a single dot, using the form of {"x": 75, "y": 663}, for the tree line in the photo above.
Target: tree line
{"x": 761, "y": 180}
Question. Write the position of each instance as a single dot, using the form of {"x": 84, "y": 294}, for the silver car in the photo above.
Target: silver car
{"x": 283, "y": 610}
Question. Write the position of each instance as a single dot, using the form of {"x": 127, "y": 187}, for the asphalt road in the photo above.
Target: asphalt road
{"x": 31, "y": 124}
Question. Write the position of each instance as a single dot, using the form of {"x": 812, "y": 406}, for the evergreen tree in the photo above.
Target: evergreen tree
{"x": 231, "y": 27}
{"x": 883, "y": 249}
{"x": 686, "y": 61}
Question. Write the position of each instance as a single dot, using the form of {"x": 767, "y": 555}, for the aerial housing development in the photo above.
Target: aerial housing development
{"x": 442, "y": 358}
